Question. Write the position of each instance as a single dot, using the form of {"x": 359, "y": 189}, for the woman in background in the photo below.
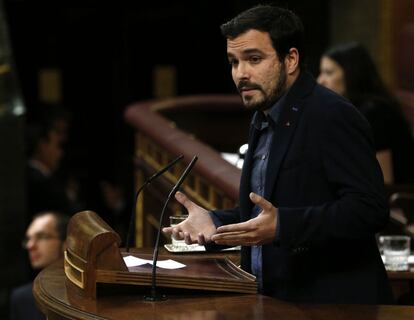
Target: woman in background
{"x": 349, "y": 71}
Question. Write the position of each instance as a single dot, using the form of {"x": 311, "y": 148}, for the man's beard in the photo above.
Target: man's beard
{"x": 268, "y": 100}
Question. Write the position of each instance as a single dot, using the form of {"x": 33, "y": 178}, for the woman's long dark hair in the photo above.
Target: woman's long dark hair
{"x": 362, "y": 80}
{"x": 366, "y": 90}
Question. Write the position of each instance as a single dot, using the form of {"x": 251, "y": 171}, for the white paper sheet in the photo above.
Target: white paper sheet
{"x": 132, "y": 261}
{"x": 170, "y": 264}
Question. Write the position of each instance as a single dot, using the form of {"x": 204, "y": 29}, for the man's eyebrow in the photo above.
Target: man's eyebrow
{"x": 251, "y": 51}
{"x": 246, "y": 52}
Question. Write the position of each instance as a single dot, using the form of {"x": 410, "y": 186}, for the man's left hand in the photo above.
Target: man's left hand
{"x": 256, "y": 231}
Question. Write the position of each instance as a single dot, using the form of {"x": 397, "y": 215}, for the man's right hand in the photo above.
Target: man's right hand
{"x": 197, "y": 228}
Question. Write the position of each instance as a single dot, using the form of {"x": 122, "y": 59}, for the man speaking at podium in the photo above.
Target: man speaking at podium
{"x": 311, "y": 191}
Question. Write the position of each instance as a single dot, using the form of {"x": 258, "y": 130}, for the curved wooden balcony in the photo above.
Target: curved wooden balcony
{"x": 193, "y": 125}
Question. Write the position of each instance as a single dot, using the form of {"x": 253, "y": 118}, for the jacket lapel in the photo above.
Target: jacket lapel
{"x": 285, "y": 128}
{"x": 244, "y": 191}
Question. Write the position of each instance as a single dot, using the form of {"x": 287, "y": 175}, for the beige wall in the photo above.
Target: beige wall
{"x": 368, "y": 22}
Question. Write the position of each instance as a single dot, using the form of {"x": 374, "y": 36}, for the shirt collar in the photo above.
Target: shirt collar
{"x": 261, "y": 121}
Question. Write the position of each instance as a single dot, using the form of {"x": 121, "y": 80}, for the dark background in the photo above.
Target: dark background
{"x": 106, "y": 54}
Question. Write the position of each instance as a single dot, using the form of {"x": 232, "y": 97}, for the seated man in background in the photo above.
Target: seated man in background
{"x": 44, "y": 190}
{"x": 45, "y": 243}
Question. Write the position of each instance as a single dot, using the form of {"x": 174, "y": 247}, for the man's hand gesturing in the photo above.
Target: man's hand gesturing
{"x": 256, "y": 231}
{"x": 197, "y": 228}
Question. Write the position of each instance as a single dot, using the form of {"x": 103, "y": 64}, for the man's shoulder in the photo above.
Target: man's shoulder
{"x": 328, "y": 110}
{"x": 326, "y": 96}
{"x": 22, "y": 292}
{"x": 22, "y": 304}
{"x": 326, "y": 104}
{"x": 34, "y": 174}
{"x": 307, "y": 89}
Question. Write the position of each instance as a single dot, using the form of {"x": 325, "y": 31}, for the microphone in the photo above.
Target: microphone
{"x": 154, "y": 296}
{"x": 147, "y": 182}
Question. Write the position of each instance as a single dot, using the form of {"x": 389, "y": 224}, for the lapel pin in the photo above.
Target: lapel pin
{"x": 287, "y": 124}
{"x": 295, "y": 109}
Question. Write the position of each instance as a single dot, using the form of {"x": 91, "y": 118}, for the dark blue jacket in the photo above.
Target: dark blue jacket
{"x": 22, "y": 304}
{"x": 323, "y": 177}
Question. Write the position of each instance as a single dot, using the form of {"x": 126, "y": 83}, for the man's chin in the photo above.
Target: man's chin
{"x": 251, "y": 104}
{"x": 255, "y": 106}
{"x": 37, "y": 264}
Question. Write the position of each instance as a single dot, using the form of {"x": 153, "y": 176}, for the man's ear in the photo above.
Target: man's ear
{"x": 292, "y": 61}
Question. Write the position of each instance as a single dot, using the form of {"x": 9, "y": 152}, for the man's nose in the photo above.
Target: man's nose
{"x": 242, "y": 72}
{"x": 321, "y": 79}
{"x": 30, "y": 245}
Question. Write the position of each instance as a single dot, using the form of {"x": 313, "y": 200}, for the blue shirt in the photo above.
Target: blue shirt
{"x": 265, "y": 124}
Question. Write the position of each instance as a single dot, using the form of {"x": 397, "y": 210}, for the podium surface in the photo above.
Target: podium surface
{"x": 54, "y": 300}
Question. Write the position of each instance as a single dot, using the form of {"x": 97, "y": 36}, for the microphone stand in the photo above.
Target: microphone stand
{"x": 147, "y": 182}
{"x": 153, "y": 295}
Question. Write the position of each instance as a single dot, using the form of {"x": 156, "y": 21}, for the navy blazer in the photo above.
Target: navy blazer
{"x": 323, "y": 177}
{"x": 22, "y": 304}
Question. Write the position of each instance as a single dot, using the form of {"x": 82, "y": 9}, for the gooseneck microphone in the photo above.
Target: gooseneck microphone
{"x": 147, "y": 182}
{"x": 154, "y": 296}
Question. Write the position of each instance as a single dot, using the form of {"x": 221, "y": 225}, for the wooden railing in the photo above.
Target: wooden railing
{"x": 214, "y": 182}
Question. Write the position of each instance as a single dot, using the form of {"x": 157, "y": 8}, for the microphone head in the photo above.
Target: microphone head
{"x": 167, "y": 167}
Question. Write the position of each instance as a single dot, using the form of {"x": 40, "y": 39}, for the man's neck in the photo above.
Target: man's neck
{"x": 289, "y": 83}
{"x": 291, "y": 78}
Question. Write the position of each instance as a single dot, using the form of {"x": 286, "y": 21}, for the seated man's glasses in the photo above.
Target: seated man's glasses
{"x": 38, "y": 237}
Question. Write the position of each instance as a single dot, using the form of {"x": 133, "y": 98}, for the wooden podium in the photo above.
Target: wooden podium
{"x": 57, "y": 303}
{"x": 93, "y": 257}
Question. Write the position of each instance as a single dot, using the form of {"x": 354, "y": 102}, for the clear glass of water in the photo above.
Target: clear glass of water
{"x": 177, "y": 244}
{"x": 396, "y": 250}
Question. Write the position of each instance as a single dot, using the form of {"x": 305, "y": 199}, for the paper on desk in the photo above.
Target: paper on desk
{"x": 132, "y": 261}
{"x": 169, "y": 264}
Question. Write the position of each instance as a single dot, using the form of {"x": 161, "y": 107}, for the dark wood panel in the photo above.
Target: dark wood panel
{"x": 52, "y": 297}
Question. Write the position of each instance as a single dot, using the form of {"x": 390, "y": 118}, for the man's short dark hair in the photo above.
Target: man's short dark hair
{"x": 62, "y": 221}
{"x": 284, "y": 27}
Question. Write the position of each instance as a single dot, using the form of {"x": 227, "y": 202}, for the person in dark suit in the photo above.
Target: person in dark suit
{"x": 311, "y": 191}
{"x": 45, "y": 243}
{"x": 45, "y": 191}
